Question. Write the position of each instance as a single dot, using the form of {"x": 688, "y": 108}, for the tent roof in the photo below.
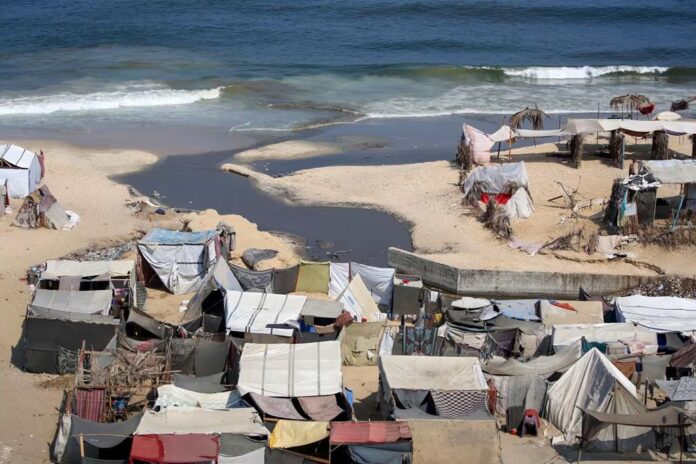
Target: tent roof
{"x": 175, "y": 448}
{"x": 543, "y": 365}
{"x": 16, "y": 156}
{"x": 585, "y": 312}
{"x": 64, "y": 267}
{"x": 590, "y": 126}
{"x": 64, "y": 302}
{"x": 660, "y": 313}
{"x": 290, "y": 433}
{"x": 365, "y": 433}
{"x": 187, "y": 420}
{"x": 672, "y": 171}
{"x": 284, "y": 370}
{"x": 494, "y": 178}
{"x": 432, "y": 373}
{"x": 329, "y": 309}
{"x": 159, "y": 236}
{"x": 683, "y": 389}
{"x": 170, "y": 395}
{"x": 566, "y": 334}
{"x": 262, "y": 313}
{"x": 669, "y": 416}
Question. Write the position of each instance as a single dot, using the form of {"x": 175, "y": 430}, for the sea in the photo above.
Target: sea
{"x": 225, "y": 68}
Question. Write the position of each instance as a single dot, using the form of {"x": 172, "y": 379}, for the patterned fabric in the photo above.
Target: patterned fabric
{"x": 458, "y": 404}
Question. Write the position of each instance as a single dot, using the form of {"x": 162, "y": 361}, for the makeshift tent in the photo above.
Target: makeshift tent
{"x": 480, "y": 143}
{"x": 356, "y": 299}
{"x": 570, "y": 312}
{"x": 263, "y": 313}
{"x": 187, "y": 420}
{"x": 108, "y": 437}
{"x": 592, "y": 383}
{"x": 378, "y": 281}
{"x": 568, "y": 334}
{"x": 171, "y": 395}
{"x": 289, "y": 434}
{"x": 683, "y": 389}
{"x": 360, "y": 343}
{"x": 21, "y": 168}
{"x": 371, "y": 442}
{"x": 339, "y": 278}
{"x": 171, "y": 449}
{"x": 313, "y": 277}
{"x": 251, "y": 280}
{"x": 281, "y": 370}
{"x": 450, "y": 387}
{"x": 41, "y": 209}
{"x": 523, "y": 310}
{"x": 509, "y": 180}
{"x": 60, "y": 304}
{"x": 672, "y": 171}
{"x": 180, "y": 260}
{"x": 199, "y": 356}
{"x": 324, "y": 309}
{"x": 200, "y": 384}
{"x": 629, "y": 126}
{"x": 541, "y": 366}
{"x": 659, "y": 313}
{"x": 519, "y": 393}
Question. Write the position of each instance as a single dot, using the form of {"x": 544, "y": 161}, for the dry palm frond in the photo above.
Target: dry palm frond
{"x": 629, "y": 101}
{"x": 496, "y": 219}
{"x": 534, "y": 115}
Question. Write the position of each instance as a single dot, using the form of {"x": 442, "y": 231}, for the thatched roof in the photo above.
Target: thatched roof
{"x": 629, "y": 101}
{"x": 534, "y": 115}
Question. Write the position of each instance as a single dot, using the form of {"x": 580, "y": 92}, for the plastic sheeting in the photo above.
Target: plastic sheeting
{"x": 365, "y": 433}
{"x": 71, "y": 304}
{"x": 583, "y": 312}
{"x": 263, "y": 313}
{"x": 164, "y": 448}
{"x": 479, "y": 143}
{"x": 313, "y": 277}
{"x": 360, "y": 343}
{"x": 173, "y": 396}
{"x": 493, "y": 179}
{"x": 568, "y": 334}
{"x": 253, "y": 280}
{"x": 588, "y": 384}
{"x": 320, "y": 408}
{"x": 200, "y": 384}
{"x": 672, "y": 171}
{"x": 339, "y": 278}
{"x": 356, "y": 299}
{"x": 26, "y": 177}
{"x": 281, "y": 408}
{"x": 281, "y": 370}
{"x": 180, "y": 259}
{"x": 185, "y": 420}
{"x": 64, "y": 267}
{"x": 525, "y": 391}
{"x": 634, "y": 127}
{"x": 432, "y": 373}
{"x": 289, "y": 434}
{"x": 379, "y": 281}
{"x": 327, "y": 309}
{"x": 660, "y": 313}
{"x": 542, "y": 366}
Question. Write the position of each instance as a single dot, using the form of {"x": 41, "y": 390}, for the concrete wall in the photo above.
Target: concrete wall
{"x": 511, "y": 284}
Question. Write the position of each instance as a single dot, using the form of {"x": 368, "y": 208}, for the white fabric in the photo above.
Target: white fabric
{"x": 257, "y": 456}
{"x": 568, "y": 334}
{"x": 356, "y": 299}
{"x": 480, "y": 144}
{"x": 667, "y": 116}
{"x": 378, "y": 280}
{"x": 172, "y": 396}
{"x": 586, "y": 312}
{"x": 531, "y": 133}
{"x": 262, "y": 313}
{"x": 503, "y": 134}
{"x": 494, "y": 178}
{"x": 184, "y": 420}
{"x": 542, "y": 365}
{"x": 288, "y": 371}
{"x": 468, "y": 302}
{"x": 590, "y": 126}
{"x": 520, "y": 205}
{"x": 72, "y": 302}
{"x": 672, "y": 171}
{"x": 26, "y": 178}
{"x": 64, "y": 267}
{"x": 181, "y": 267}
{"x": 329, "y": 309}
{"x": 588, "y": 384}
{"x": 224, "y": 276}
{"x": 432, "y": 373}
{"x": 339, "y": 278}
{"x": 660, "y": 313}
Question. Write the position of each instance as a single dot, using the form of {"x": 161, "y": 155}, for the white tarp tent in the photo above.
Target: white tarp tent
{"x": 180, "y": 259}
{"x": 660, "y": 313}
{"x": 589, "y": 384}
{"x": 379, "y": 281}
{"x": 542, "y": 365}
{"x": 568, "y": 334}
{"x": 672, "y": 171}
{"x": 172, "y": 396}
{"x": 21, "y": 168}
{"x": 62, "y": 304}
{"x": 289, "y": 371}
{"x": 263, "y": 313}
{"x": 446, "y": 373}
{"x": 631, "y": 126}
{"x": 356, "y": 299}
{"x": 187, "y": 420}
{"x": 69, "y": 268}
{"x": 498, "y": 179}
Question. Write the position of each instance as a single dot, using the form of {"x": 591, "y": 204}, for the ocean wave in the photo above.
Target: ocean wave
{"x": 123, "y": 96}
{"x": 581, "y": 72}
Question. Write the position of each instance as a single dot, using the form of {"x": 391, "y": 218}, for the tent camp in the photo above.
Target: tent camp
{"x": 507, "y": 184}
{"x": 356, "y": 299}
{"x": 263, "y": 313}
{"x": 413, "y": 387}
{"x": 595, "y": 384}
{"x": 210, "y": 298}
{"x": 41, "y": 209}
{"x": 21, "y": 168}
{"x": 658, "y": 313}
{"x": 177, "y": 260}
{"x": 379, "y": 281}
{"x": 564, "y": 335}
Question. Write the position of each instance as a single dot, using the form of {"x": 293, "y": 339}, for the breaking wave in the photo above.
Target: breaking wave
{"x": 122, "y": 96}
{"x": 582, "y": 72}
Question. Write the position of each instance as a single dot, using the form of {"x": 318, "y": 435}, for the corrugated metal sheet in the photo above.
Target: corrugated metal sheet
{"x": 89, "y": 403}
{"x": 363, "y": 433}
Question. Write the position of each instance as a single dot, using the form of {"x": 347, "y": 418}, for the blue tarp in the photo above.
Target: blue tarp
{"x": 173, "y": 237}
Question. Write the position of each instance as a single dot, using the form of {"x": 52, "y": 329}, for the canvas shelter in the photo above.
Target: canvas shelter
{"x": 594, "y": 383}
{"x": 288, "y": 371}
{"x": 208, "y": 304}
{"x": 178, "y": 260}
{"x": 171, "y": 449}
{"x": 508, "y": 184}
{"x": 374, "y": 442}
{"x": 658, "y": 313}
{"x": 564, "y": 335}
{"x": 356, "y": 299}
{"x": 263, "y": 313}
{"x": 41, "y": 209}
{"x": 431, "y": 387}
{"x": 21, "y": 168}
{"x": 188, "y": 420}
{"x": 72, "y": 305}
{"x": 379, "y": 281}
{"x": 543, "y": 366}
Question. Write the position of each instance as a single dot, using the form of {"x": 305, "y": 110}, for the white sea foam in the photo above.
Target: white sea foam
{"x": 122, "y": 96}
{"x": 579, "y": 72}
